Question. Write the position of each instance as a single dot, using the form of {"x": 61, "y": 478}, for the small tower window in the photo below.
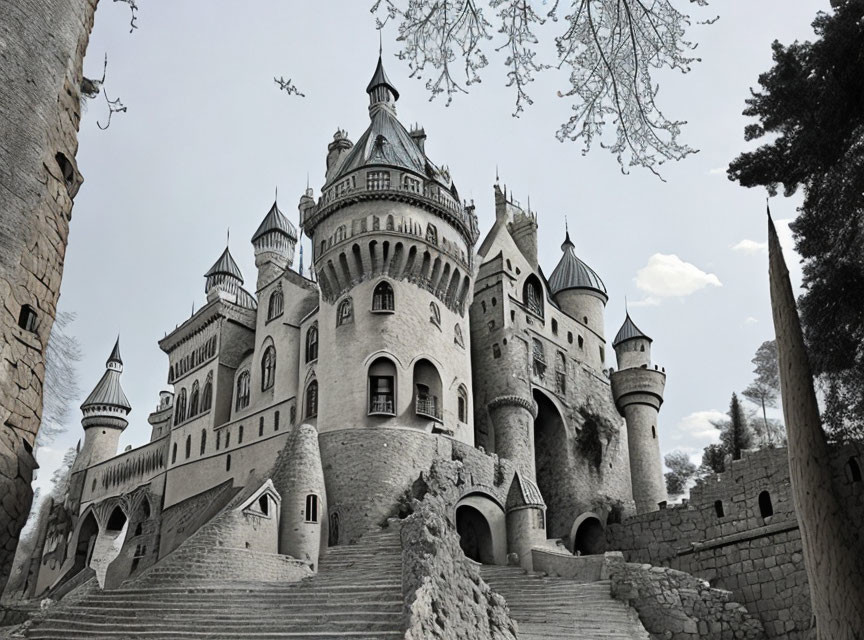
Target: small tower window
{"x": 193, "y": 399}
{"x": 276, "y": 304}
{"x": 276, "y": 421}
{"x": 311, "y": 508}
{"x": 718, "y": 508}
{"x": 532, "y": 295}
{"x": 458, "y": 339}
{"x": 218, "y": 440}
{"x": 180, "y": 407}
{"x": 240, "y": 435}
{"x": 581, "y": 342}
{"x": 228, "y": 462}
{"x": 382, "y": 384}
{"x": 653, "y": 432}
{"x": 435, "y": 317}
{"x": 462, "y": 406}
{"x": 345, "y": 313}
{"x": 261, "y": 426}
{"x": 554, "y": 326}
{"x": 383, "y": 298}
{"x": 203, "y": 441}
{"x": 242, "y": 391}
{"x": 538, "y": 359}
{"x": 766, "y": 509}
{"x": 264, "y": 505}
{"x": 174, "y": 453}
{"x": 312, "y": 399}
{"x": 27, "y": 318}
{"x": 188, "y": 446}
{"x": 268, "y": 368}
{"x": 312, "y": 343}
{"x": 207, "y": 394}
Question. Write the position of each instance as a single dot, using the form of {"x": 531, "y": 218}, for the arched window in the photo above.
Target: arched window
{"x": 261, "y": 426}
{"x": 554, "y": 326}
{"x": 174, "y": 453}
{"x": 180, "y": 407}
{"x": 382, "y": 298}
{"x": 435, "y": 318}
{"x": 242, "y": 391}
{"x": 311, "y": 508}
{"x": 345, "y": 312}
{"x": 207, "y": 394}
{"x": 188, "y": 446}
{"x": 240, "y": 435}
{"x": 653, "y": 432}
{"x": 218, "y": 440}
{"x": 853, "y": 470}
{"x": 312, "y": 399}
{"x": 718, "y": 508}
{"x": 268, "y": 368}
{"x": 203, "y": 441}
{"x": 312, "y": 343}
{"x": 276, "y": 304}
{"x": 532, "y": 295}
{"x": 193, "y": 399}
{"x": 382, "y": 386}
{"x": 228, "y": 462}
{"x": 427, "y": 388}
{"x": 458, "y": 340}
{"x": 765, "y": 507}
{"x": 462, "y": 404}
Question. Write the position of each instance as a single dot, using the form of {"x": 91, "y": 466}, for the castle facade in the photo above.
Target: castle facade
{"x": 406, "y": 343}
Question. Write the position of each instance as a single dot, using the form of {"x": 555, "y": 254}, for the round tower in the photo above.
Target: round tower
{"x": 581, "y": 294}
{"x": 638, "y": 391}
{"x": 225, "y": 281}
{"x": 526, "y": 519}
{"x": 274, "y": 242}
{"x": 392, "y": 250}
{"x": 105, "y": 411}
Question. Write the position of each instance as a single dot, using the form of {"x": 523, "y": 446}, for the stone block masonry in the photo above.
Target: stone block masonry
{"x": 739, "y": 531}
{"x": 42, "y": 45}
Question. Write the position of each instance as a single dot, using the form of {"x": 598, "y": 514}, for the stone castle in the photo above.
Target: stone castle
{"x": 302, "y": 415}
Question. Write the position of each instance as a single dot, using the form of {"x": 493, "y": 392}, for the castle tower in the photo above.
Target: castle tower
{"x": 274, "y": 243}
{"x": 526, "y": 519}
{"x": 638, "y": 391}
{"x": 392, "y": 249}
{"x": 580, "y": 292}
{"x": 224, "y": 279}
{"x": 105, "y": 411}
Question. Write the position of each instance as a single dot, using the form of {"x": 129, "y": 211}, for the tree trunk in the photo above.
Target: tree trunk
{"x": 42, "y": 46}
{"x": 768, "y": 435}
{"x": 833, "y": 553}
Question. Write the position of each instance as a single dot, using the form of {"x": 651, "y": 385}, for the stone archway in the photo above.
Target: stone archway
{"x": 87, "y": 534}
{"x": 475, "y": 535}
{"x": 552, "y": 464}
{"x": 588, "y": 535}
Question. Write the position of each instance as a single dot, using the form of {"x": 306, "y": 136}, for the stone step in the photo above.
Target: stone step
{"x": 48, "y": 632}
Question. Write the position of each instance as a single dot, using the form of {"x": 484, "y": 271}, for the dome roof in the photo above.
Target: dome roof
{"x": 276, "y": 221}
{"x": 225, "y": 265}
{"x": 108, "y": 390}
{"x": 572, "y": 273}
{"x": 628, "y": 331}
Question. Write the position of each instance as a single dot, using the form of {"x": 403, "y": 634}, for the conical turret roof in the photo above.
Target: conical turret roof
{"x": 572, "y": 273}
{"x": 628, "y": 331}
{"x": 108, "y": 390}
{"x": 276, "y": 221}
{"x": 379, "y": 78}
{"x": 225, "y": 265}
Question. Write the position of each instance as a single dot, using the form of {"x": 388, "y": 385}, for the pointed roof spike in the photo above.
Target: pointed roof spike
{"x": 115, "y": 353}
{"x": 276, "y": 221}
{"x": 572, "y": 273}
{"x": 628, "y": 331}
{"x": 379, "y": 78}
{"x": 225, "y": 265}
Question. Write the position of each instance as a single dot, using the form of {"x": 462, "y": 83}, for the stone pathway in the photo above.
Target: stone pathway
{"x": 356, "y": 594}
{"x": 549, "y": 608}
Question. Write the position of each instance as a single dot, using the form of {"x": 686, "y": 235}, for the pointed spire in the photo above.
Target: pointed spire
{"x": 628, "y": 331}
{"x": 567, "y": 244}
{"x": 276, "y": 221}
{"x": 115, "y": 354}
{"x": 380, "y": 79}
{"x": 225, "y": 265}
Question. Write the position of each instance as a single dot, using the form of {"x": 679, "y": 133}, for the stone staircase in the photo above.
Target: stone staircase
{"x": 357, "y": 593}
{"x": 547, "y": 608}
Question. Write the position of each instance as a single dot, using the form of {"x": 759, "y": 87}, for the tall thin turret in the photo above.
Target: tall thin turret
{"x": 638, "y": 391}
{"x": 105, "y": 411}
{"x": 274, "y": 242}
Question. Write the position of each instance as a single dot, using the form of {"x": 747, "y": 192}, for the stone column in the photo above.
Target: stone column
{"x": 513, "y": 424}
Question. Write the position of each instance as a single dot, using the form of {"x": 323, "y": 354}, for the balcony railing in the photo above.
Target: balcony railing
{"x": 381, "y": 404}
{"x": 427, "y": 406}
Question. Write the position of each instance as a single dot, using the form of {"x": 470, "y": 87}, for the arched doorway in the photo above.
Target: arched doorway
{"x": 551, "y": 464}
{"x": 475, "y": 536}
{"x": 589, "y": 537}
{"x": 87, "y": 533}
{"x": 108, "y": 543}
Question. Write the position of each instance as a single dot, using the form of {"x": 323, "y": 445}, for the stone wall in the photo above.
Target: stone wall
{"x": 185, "y": 518}
{"x": 445, "y": 597}
{"x": 720, "y": 535}
{"x": 44, "y": 42}
{"x": 673, "y": 605}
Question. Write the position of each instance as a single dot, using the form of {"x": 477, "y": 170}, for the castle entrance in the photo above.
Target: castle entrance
{"x": 551, "y": 463}
{"x": 590, "y": 538}
{"x": 475, "y": 535}
{"x": 87, "y": 534}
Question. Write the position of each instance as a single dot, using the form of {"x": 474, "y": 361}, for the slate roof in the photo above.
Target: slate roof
{"x": 225, "y": 265}
{"x": 524, "y": 492}
{"x": 628, "y": 331}
{"x": 108, "y": 390}
{"x": 115, "y": 353}
{"x": 380, "y": 78}
{"x": 572, "y": 273}
{"x": 275, "y": 220}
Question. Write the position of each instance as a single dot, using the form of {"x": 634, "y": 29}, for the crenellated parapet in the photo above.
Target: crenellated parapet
{"x": 638, "y": 386}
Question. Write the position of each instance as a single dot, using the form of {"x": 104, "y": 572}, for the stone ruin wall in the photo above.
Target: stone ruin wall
{"x": 43, "y": 46}
{"x": 758, "y": 559}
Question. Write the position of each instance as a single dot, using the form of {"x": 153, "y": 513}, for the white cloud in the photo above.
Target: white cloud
{"x": 694, "y": 432}
{"x": 751, "y": 247}
{"x": 749, "y": 320}
{"x": 668, "y": 276}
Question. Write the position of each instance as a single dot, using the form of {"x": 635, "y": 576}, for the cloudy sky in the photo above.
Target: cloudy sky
{"x": 208, "y": 138}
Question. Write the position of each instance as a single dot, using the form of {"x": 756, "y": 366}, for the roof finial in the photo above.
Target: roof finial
{"x": 380, "y": 44}
{"x": 228, "y": 237}
{"x": 276, "y": 196}
{"x": 626, "y": 310}
{"x": 496, "y": 174}
{"x": 307, "y": 181}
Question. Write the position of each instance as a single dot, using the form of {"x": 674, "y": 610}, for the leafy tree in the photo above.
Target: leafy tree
{"x": 681, "y": 471}
{"x": 811, "y": 109}
{"x": 60, "y": 477}
{"x": 61, "y": 379}
{"x": 765, "y": 389}
{"x": 713, "y": 459}
{"x": 612, "y": 50}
